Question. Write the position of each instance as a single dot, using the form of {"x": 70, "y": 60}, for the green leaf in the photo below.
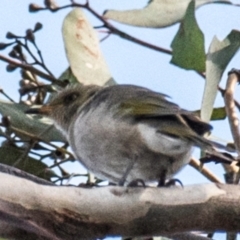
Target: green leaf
{"x": 217, "y": 113}
{"x": 33, "y": 125}
{"x": 188, "y": 44}
{"x": 219, "y": 55}
{"x": 11, "y": 155}
{"x": 68, "y": 75}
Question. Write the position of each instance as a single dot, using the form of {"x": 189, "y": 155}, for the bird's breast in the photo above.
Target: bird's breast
{"x": 106, "y": 145}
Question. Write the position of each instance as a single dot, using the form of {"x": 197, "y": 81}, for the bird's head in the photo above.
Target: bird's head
{"x": 63, "y": 108}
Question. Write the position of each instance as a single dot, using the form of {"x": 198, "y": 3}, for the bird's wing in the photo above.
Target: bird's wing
{"x": 149, "y": 104}
{"x": 166, "y": 117}
{"x": 152, "y": 105}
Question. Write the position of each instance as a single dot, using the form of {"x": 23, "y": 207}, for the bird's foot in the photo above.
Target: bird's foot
{"x": 137, "y": 183}
{"x": 173, "y": 182}
{"x": 169, "y": 183}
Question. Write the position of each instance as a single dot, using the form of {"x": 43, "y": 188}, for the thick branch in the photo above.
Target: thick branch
{"x": 13, "y": 232}
{"x": 77, "y": 213}
{"x": 19, "y": 173}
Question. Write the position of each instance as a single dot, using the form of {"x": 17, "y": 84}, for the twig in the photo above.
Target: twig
{"x": 69, "y": 177}
{"x": 105, "y": 37}
{"x": 204, "y": 171}
{"x": 58, "y": 163}
{"x": 41, "y": 63}
{"x": 233, "y": 171}
{"x": 233, "y": 119}
{"x": 31, "y": 69}
{"x": 25, "y": 153}
{"x": 5, "y": 95}
{"x": 237, "y": 104}
{"x": 113, "y": 29}
{"x": 34, "y": 137}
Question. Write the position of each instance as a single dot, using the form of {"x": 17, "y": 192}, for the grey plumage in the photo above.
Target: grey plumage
{"x": 125, "y": 130}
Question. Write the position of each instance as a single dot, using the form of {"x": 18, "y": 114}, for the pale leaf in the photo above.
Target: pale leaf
{"x": 157, "y": 14}
{"x": 219, "y": 55}
{"x": 83, "y": 51}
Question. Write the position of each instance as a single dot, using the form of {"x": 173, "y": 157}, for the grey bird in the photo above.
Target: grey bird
{"x": 122, "y": 133}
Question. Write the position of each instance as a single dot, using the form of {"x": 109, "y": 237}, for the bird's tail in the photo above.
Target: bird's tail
{"x": 212, "y": 148}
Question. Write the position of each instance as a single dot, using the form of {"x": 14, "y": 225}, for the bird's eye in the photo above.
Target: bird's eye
{"x": 70, "y": 98}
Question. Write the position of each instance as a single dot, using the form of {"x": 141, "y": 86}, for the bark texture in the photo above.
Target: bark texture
{"x": 52, "y": 212}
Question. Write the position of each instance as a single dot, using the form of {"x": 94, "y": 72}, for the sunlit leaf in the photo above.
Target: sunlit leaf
{"x": 83, "y": 51}
{"x": 157, "y": 14}
{"x": 217, "y": 113}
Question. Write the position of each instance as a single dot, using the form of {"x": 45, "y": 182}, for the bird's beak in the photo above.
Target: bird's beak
{"x": 44, "y": 110}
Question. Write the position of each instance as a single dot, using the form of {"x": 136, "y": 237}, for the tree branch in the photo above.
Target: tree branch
{"x": 196, "y": 164}
{"x": 233, "y": 79}
{"x": 78, "y": 213}
{"x": 19, "y": 173}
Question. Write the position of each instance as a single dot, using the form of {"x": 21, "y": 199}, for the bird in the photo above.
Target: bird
{"x": 121, "y": 133}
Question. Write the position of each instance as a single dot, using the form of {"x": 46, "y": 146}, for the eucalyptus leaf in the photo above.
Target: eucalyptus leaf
{"x": 34, "y": 125}
{"x": 157, "y": 14}
{"x": 82, "y": 49}
{"x": 219, "y": 55}
{"x": 68, "y": 75}
{"x": 217, "y": 113}
{"x": 188, "y": 44}
{"x": 11, "y": 156}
